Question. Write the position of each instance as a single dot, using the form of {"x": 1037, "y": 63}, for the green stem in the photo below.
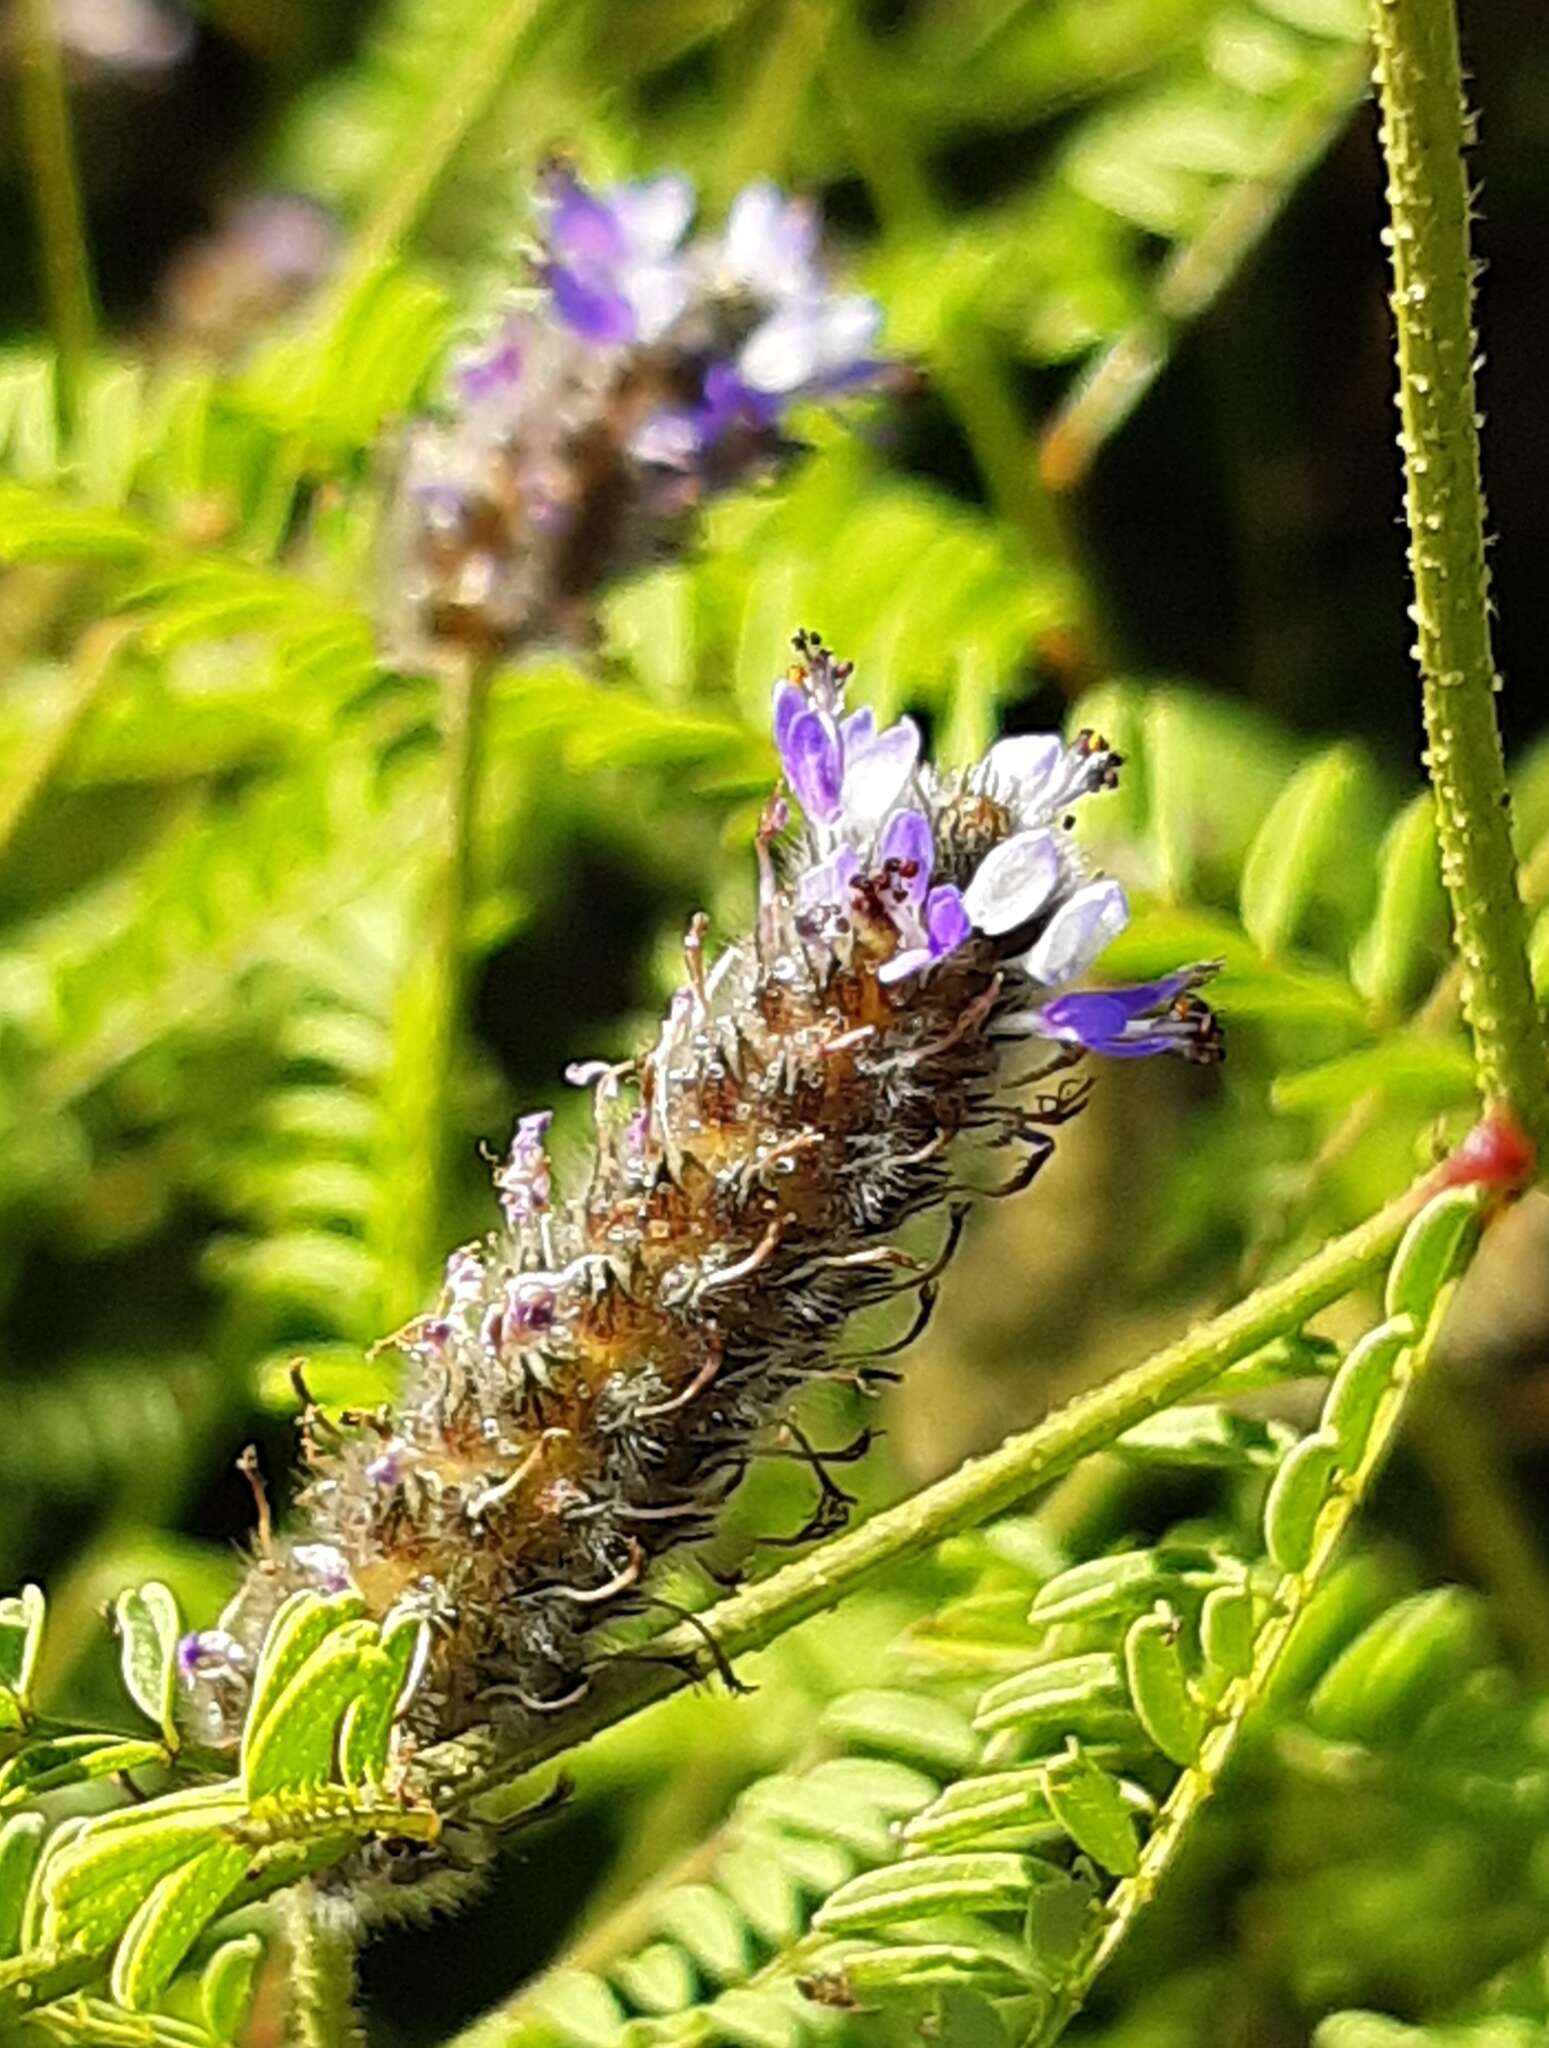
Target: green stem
{"x": 1424, "y": 129}
{"x": 428, "y": 1024}
{"x": 983, "y": 1488}
{"x": 321, "y": 1985}
{"x": 56, "y": 198}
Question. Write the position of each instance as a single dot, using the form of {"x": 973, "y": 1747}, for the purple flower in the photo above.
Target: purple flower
{"x": 770, "y": 245}
{"x": 325, "y": 1566}
{"x": 931, "y": 923}
{"x": 1132, "y": 1023}
{"x": 613, "y": 272}
{"x": 678, "y": 436}
{"x": 845, "y": 774}
{"x": 1037, "y": 776}
{"x": 387, "y": 1467}
{"x": 812, "y": 347}
{"x": 207, "y": 1649}
{"x": 826, "y": 886}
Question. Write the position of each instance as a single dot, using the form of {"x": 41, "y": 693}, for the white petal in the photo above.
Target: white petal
{"x": 1013, "y": 882}
{"x": 875, "y": 774}
{"x": 654, "y": 214}
{"x": 1023, "y": 769}
{"x": 1077, "y": 933}
{"x": 770, "y": 242}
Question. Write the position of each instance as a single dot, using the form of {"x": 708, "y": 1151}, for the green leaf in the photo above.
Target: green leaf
{"x": 1351, "y": 1405}
{"x": 659, "y": 1979}
{"x": 1122, "y": 1583}
{"x": 294, "y": 1746}
{"x": 149, "y": 1626}
{"x": 92, "y": 1887}
{"x": 365, "y": 1741}
{"x": 1407, "y": 1067}
{"x": 227, "y": 1984}
{"x": 1226, "y": 1631}
{"x": 930, "y": 1962}
{"x": 21, "y": 1636}
{"x": 1306, "y": 833}
{"x": 1159, "y": 1687}
{"x": 1205, "y": 1434}
{"x": 42, "y": 526}
{"x": 708, "y": 1925}
{"x": 1295, "y": 1500}
{"x": 1059, "y": 1915}
{"x": 909, "y": 1723}
{"x": 1433, "y": 1250}
{"x": 170, "y": 1920}
{"x": 302, "y": 1624}
{"x": 1090, "y": 1806}
{"x": 989, "y": 1882}
{"x": 1071, "y": 1696}
{"x": 21, "y": 1844}
{"x": 579, "y": 2008}
{"x": 63, "y": 1760}
{"x": 1391, "y": 959}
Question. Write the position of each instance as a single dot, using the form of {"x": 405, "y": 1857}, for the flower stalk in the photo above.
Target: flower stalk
{"x": 1425, "y": 128}
{"x": 56, "y": 198}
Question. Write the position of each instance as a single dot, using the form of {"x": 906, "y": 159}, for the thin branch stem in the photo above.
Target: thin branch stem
{"x": 1424, "y": 131}
{"x": 56, "y": 196}
{"x": 981, "y": 1489}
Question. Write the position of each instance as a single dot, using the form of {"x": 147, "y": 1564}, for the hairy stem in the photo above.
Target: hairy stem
{"x": 1424, "y": 130}
{"x": 322, "y": 1974}
{"x": 56, "y": 198}
{"x": 983, "y": 1488}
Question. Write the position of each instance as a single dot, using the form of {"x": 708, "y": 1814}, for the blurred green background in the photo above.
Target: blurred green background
{"x": 1148, "y": 470}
